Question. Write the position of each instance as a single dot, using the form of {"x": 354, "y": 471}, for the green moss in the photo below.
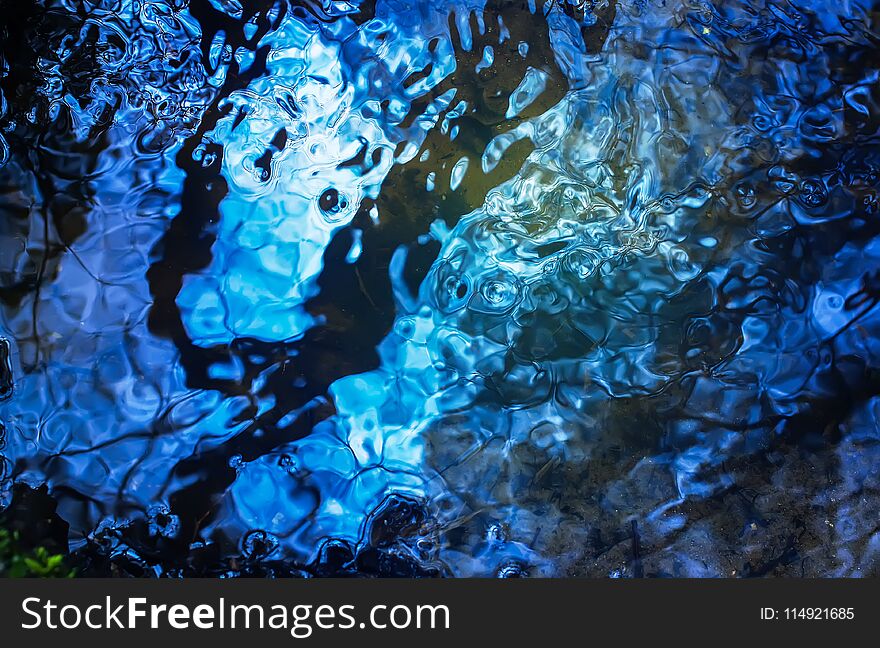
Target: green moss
{"x": 39, "y": 563}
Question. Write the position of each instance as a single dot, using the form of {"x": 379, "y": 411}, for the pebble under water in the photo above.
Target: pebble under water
{"x": 443, "y": 287}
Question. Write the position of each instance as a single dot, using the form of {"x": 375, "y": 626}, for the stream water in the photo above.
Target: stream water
{"x": 444, "y": 287}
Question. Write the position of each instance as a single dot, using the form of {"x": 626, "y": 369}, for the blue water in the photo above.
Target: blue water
{"x": 436, "y": 287}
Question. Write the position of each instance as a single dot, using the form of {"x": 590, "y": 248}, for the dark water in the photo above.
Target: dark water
{"x": 443, "y": 287}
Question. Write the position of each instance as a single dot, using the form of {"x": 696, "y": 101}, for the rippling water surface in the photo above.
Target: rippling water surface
{"x": 444, "y": 287}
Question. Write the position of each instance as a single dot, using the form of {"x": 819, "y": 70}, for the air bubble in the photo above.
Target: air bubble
{"x": 745, "y": 195}
{"x": 258, "y": 544}
{"x": 288, "y": 464}
{"x": 813, "y": 193}
{"x": 161, "y": 522}
{"x": 497, "y": 295}
{"x": 329, "y": 200}
{"x": 332, "y": 204}
{"x": 453, "y": 292}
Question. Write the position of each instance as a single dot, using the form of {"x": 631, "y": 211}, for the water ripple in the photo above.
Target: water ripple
{"x": 470, "y": 288}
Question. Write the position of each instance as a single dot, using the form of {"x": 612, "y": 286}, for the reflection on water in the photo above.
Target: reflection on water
{"x": 444, "y": 287}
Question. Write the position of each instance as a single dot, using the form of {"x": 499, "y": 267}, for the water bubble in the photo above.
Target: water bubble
{"x": 288, "y": 464}
{"x": 582, "y": 262}
{"x": 329, "y": 200}
{"x": 161, "y": 522}
{"x": 497, "y": 294}
{"x": 405, "y": 328}
{"x": 813, "y": 193}
{"x": 495, "y": 291}
{"x": 259, "y": 544}
{"x": 332, "y": 204}
{"x": 454, "y": 291}
{"x": 745, "y": 195}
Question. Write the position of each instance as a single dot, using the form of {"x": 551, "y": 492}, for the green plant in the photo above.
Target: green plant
{"x": 17, "y": 563}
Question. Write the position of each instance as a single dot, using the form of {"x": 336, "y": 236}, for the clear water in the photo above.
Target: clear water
{"x": 445, "y": 287}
